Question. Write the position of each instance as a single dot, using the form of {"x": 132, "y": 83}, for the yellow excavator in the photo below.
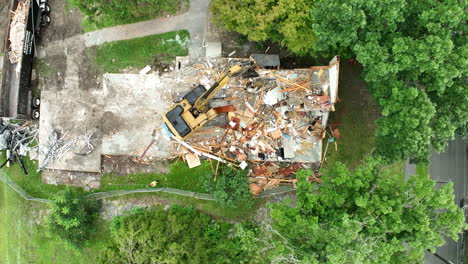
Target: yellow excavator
{"x": 193, "y": 111}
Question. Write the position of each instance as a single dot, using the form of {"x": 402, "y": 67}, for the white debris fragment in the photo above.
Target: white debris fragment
{"x": 243, "y": 165}
{"x": 145, "y": 70}
{"x": 272, "y": 97}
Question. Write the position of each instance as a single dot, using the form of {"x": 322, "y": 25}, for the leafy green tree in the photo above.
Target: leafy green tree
{"x": 263, "y": 244}
{"x": 402, "y": 44}
{"x": 277, "y": 20}
{"x": 405, "y": 125}
{"x": 366, "y": 216}
{"x": 176, "y": 235}
{"x": 231, "y": 188}
{"x": 71, "y": 218}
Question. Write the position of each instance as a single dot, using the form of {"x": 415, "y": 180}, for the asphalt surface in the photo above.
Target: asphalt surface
{"x": 451, "y": 166}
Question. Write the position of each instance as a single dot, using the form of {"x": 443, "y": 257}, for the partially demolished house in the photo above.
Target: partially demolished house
{"x": 272, "y": 119}
{"x": 275, "y": 119}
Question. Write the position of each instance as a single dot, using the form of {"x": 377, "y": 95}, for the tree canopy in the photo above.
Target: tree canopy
{"x": 403, "y": 45}
{"x": 71, "y": 218}
{"x": 287, "y": 21}
{"x": 367, "y": 216}
{"x": 176, "y": 235}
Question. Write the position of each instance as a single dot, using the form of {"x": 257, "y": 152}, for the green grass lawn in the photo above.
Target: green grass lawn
{"x": 396, "y": 169}
{"x": 422, "y": 170}
{"x": 31, "y": 183}
{"x": 355, "y": 116}
{"x": 24, "y": 241}
{"x": 159, "y": 51}
{"x": 101, "y": 14}
{"x": 180, "y": 177}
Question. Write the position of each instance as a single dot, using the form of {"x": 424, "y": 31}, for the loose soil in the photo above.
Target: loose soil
{"x": 124, "y": 165}
{"x": 66, "y": 22}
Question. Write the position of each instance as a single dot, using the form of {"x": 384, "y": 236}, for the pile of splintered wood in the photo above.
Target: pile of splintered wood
{"x": 17, "y": 31}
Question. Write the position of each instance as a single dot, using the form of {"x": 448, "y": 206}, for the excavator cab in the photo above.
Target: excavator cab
{"x": 174, "y": 117}
{"x": 193, "y": 112}
{"x": 193, "y": 95}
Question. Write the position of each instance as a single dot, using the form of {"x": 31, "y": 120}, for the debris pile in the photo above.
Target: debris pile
{"x": 16, "y": 140}
{"x": 60, "y": 144}
{"x": 17, "y": 31}
{"x": 273, "y": 119}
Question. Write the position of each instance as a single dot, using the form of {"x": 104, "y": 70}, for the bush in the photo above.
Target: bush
{"x": 231, "y": 188}
{"x": 71, "y": 218}
{"x": 176, "y": 235}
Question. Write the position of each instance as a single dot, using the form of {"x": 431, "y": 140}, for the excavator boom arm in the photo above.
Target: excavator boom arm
{"x": 203, "y": 100}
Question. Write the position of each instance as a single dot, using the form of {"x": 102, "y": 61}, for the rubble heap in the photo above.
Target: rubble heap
{"x": 60, "y": 144}
{"x": 17, "y": 140}
{"x": 17, "y": 31}
{"x": 273, "y": 119}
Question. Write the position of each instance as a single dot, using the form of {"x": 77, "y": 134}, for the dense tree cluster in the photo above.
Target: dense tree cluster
{"x": 176, "y": 235}
{"x": 409, "y": 49}
{"x": 287, "y": 21}
{"x": 363, "y": 216}
{"x": 366, "y": 216}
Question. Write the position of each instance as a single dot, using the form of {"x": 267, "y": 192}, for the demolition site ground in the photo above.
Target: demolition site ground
{"x": 119, "y": 117}
{"x": 118, "y": 114}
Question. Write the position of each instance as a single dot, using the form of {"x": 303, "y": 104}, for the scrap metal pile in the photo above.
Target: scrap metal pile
{"x": 17, "y": 140}
{"x": 274, "y": 119}
{"x": 60, "y": 144}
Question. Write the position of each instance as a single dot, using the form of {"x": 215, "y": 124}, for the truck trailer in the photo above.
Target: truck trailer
{"x": 26, "y": 19}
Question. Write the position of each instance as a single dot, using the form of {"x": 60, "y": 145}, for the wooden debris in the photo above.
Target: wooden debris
{"x": 275, "y": 134}
{"x": 18, "y": 30}
{"x": 255, "y": 189}
{"x": 192, "y": 160}
{"x": 250, "y": 108}
{"x": 225, "y": 109}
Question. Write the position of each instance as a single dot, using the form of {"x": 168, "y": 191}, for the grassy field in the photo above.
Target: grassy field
{"x": 24, "y": 241}
{"x": 355, "y": 117}
{"x": 180, "y": 177}
{"x": 159, "y": 51}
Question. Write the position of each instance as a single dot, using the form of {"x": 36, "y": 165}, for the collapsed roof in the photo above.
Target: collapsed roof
{"x": 272, "y": 115}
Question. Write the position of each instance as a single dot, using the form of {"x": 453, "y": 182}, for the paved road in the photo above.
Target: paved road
{"x": 451, "y": 166}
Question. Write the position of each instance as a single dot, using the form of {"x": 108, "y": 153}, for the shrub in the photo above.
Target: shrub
{"x": 71, "y": 218}
{"x": 231, "y": 188}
